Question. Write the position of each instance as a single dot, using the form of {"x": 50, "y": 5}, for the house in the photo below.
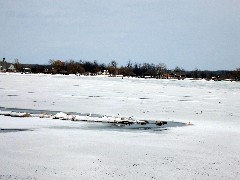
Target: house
{"x": 6, "y": 67}
{"x": 26, "y": 70}
{"x": 11, "y": 68}
{"x": 87, "y": 73}
{"x": 105, "y": 72}
{"x": 177, "y": 75}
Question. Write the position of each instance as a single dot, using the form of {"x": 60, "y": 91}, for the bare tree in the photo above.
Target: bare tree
{"x": 112, "y": 68}
{"x": 17, "y": 64}
{"x": 113, "y": 63}
{"x": 57, "y": 65}
{"x": 237, "y": 77}
{"x": 161, "y": 68}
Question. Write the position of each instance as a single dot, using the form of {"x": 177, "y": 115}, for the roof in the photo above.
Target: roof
{"x": 11, "y": 67}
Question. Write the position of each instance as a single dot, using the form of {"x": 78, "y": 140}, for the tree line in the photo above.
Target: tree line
{"x": 130, "y": 69}
{"x": 138, "y": 70}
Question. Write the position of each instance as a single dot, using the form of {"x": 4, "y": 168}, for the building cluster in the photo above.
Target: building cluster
{"x": 6, "y": 67}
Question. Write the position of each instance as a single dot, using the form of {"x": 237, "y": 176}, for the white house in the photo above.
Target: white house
{"x": 11, "y": 68}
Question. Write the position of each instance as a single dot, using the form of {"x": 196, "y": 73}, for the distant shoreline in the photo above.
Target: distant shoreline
{"x": 119, "y": 76}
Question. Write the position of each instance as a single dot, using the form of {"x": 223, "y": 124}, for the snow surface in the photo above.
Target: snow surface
{"x": 55, "y": 149}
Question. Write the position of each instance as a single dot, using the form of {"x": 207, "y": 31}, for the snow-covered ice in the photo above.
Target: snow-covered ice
{"x": 56, "y": 149}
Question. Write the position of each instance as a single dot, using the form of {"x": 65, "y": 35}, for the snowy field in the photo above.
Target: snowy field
{"x": 56, "y": 149}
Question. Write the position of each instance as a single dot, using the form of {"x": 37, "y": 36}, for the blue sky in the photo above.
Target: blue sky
{"x": 202, "y": 34}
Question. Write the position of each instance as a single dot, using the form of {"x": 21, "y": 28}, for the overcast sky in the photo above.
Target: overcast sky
{"x": 202, "y": 34}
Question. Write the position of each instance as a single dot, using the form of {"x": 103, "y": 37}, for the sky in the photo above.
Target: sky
{"x": 203, "y": 34}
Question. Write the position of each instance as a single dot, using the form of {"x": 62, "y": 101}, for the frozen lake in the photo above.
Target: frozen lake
{"x": 54, "y": 149}
{"x": 141, "y": 98}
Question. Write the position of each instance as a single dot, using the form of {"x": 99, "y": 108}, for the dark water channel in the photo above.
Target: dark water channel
{"x": 150, "y": 126}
